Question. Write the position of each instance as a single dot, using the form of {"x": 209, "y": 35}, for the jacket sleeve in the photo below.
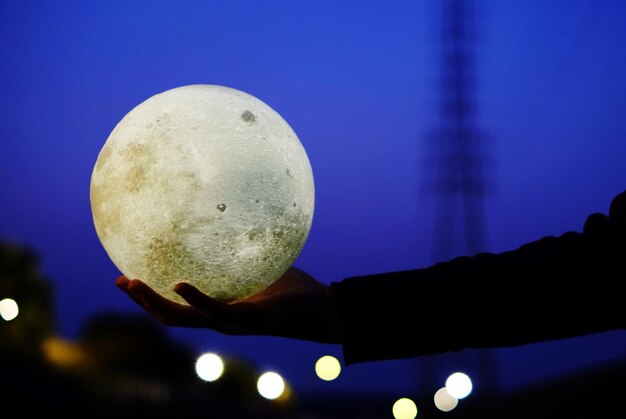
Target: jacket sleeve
{"x": 552, "y": 288}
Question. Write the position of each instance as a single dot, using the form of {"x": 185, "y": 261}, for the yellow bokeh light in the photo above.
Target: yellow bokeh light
{"x": 270, "y": 385}
{"x": 404, "y": 408}
{"x": 444, "y": 401}
{"x": 209, "y": 366}
{"x": 328, "y": 368}
{"x": 63, "y": 353}
{"x": 459, "y": 385}
{"x": 8, "y": 309}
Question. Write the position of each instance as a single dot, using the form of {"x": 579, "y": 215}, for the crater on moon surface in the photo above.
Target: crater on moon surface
{"x": 248, "y": 117}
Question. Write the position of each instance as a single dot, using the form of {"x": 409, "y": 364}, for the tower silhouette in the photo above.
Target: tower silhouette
{"x": 459, "y": 181}
{"x": 459, "y": 184}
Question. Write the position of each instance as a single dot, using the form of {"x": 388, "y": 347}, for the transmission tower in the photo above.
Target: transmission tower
{"x": 459, "y": 183}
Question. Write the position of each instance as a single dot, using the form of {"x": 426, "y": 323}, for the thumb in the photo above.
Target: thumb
{"x": 201, "y": 301}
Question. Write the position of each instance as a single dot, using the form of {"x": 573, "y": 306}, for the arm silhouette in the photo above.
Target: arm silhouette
{"x": 548, "y": 289}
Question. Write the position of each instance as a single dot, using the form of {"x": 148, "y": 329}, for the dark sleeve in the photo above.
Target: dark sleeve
{"x": 552, "y": 288}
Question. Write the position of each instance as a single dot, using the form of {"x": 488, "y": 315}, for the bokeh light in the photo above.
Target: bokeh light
{"x": 8, "y": 309}
{"x": 63, "y": 353}
{"x": 404, "y": 408}
{"x": 459, "y": 385}
{"x": 270, "y": 385}
{"x": 209, "y": 366}
{"x": 444, "y": 401}
{"x": 327, "y": 368}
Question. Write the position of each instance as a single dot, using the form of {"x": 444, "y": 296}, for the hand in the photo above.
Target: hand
{"x": 295, "y": 306}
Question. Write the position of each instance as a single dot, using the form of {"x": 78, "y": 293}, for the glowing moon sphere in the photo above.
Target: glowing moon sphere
{"x": 205, "y": 184}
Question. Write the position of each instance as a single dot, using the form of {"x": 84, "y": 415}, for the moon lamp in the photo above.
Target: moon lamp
{"x": 205, "y": 184}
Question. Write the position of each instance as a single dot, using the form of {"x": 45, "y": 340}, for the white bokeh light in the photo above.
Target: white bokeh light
{"x": 404, "y": 408}
{"x": 444, "y": 401}
{"x": 271, "y": 385}
{"x": 8, "y": 309}
{"x": 459, "y": 385}
{"x": 209, "y": 366}
{"x": 327, "y": 368}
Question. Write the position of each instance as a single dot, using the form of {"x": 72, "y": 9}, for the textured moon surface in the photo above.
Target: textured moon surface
{"x": 204, "y": 184}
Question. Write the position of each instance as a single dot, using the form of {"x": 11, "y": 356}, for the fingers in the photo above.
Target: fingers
{"x": 148, "y": 297}
{"x": 166, "y": 311}
{"x": 202, "y": 311}
{"x": 124, "y": 284}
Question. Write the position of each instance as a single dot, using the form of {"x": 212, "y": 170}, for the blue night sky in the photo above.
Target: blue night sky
{"x": 358, "y": 82}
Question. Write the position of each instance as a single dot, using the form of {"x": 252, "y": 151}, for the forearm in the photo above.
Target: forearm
{"x": 553, "y": 288}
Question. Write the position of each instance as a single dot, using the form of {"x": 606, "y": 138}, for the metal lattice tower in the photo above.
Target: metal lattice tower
{"x": 459, "y": 181}
{"x": 459, "y": 184}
